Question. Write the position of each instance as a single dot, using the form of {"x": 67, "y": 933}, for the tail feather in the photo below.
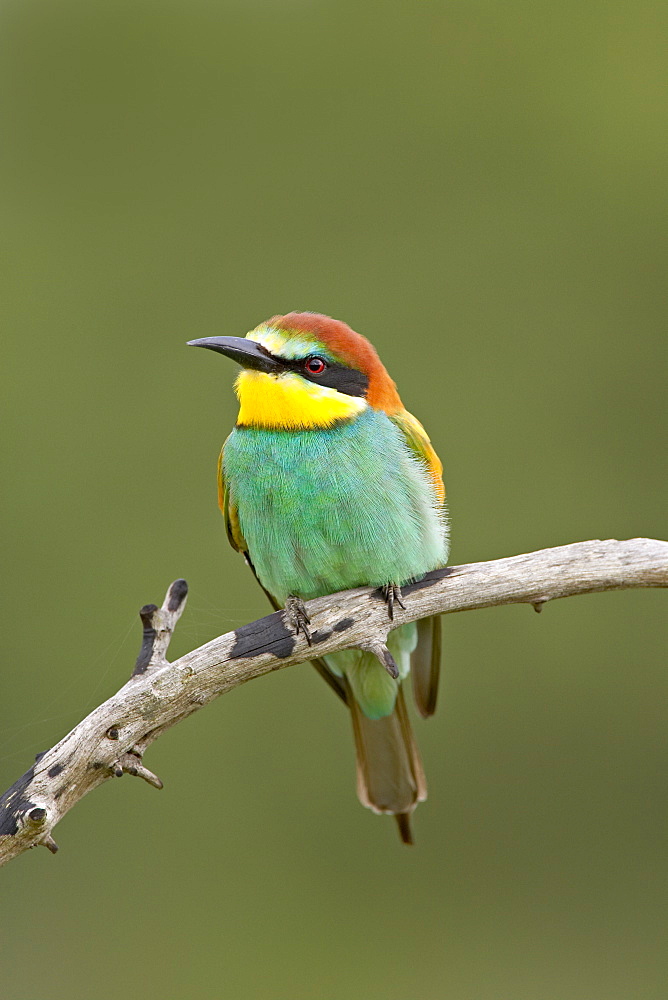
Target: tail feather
{"x": 404, "y": 824}
{"x": 390, "y": 777}
{"x": 426, "y": 665}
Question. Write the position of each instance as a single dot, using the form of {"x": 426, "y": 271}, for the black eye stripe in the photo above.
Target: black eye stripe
{"x": 334, "y": 375}
{"x": 346, "y": 380}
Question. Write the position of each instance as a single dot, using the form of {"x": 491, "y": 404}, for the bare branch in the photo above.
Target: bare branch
{"x": 111, "y": 740}
{"x": 158, "y": 626}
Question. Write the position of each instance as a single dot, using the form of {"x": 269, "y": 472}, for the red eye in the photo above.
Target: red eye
{"x": 315, "y": 365}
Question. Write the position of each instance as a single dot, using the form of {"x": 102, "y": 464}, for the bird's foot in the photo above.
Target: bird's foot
{"x": 392, "y": 595}
{"x": 297, "y": 617}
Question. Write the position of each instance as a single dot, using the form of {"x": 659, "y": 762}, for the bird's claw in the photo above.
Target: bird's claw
{"x": 297, "y": 617}
{"x": 392, "y": 595}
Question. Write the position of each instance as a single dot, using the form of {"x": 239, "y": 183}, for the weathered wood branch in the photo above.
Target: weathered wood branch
{"x": 112, "y": 740}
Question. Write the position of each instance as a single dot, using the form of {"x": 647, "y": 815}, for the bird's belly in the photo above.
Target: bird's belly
{"x": 323, "y": 511}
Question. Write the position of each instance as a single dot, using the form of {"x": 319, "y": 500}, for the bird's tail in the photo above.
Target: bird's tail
{"x": 390, "y": 778}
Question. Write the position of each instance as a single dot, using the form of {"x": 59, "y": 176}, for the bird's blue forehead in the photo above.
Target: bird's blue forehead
{"x": 285, "y": 344}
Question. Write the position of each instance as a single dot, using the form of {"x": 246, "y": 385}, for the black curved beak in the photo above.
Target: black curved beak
{"x": 246, "y": 353}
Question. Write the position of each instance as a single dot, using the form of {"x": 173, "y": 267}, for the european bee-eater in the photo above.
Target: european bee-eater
{"x": 327, "y": 483}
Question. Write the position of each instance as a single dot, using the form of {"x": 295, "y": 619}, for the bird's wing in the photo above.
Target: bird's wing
{"x": 238, "y": 542}
{"x": 421, "y": 447}
{"x": 229, "y": 509}
{"x": 426, "y": 658}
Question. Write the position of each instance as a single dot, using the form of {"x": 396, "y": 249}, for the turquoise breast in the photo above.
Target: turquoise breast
{"x": 328, "y": 509}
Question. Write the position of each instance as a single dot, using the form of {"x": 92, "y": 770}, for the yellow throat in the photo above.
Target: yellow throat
{"x": 289, "y": 402}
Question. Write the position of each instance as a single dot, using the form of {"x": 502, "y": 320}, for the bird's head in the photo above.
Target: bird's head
{"x": 304, "y": 371}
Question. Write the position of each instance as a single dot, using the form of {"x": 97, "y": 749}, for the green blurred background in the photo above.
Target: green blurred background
{"x": 480, "y": 188}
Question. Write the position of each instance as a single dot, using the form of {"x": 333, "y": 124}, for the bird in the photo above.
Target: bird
{"x": 326, "y": 483}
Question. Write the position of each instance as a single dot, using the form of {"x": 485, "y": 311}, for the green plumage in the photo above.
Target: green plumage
{"x": 328, "y": 509}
